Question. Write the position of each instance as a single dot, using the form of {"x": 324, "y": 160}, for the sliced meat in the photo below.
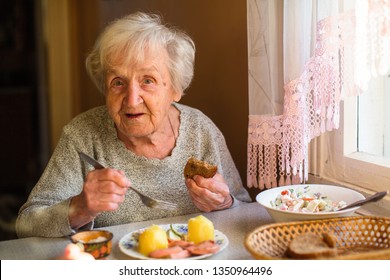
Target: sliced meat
{"x": 202, "y": 248}
{"x": 180, "y": 255}
{"x": 180, "y": 243}
{"x": 180, "y": 249}
{"x": 165, "y": 253}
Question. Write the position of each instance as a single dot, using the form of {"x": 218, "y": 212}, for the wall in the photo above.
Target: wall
{"x": 220, "y": 85}
{"x": 19, "y": 142}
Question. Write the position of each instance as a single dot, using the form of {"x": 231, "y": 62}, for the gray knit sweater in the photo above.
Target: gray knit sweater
{"x": 46, "y": 211}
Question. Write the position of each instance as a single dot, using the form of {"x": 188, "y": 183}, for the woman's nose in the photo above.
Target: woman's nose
{"x": 133, "y": 95}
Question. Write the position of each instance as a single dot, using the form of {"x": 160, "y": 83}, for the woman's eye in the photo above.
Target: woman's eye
{"x": 148, "y": 81}
{"x": 117, "y": 83}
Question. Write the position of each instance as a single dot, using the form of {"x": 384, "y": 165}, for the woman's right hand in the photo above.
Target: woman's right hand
{"x": 103, "y": 190}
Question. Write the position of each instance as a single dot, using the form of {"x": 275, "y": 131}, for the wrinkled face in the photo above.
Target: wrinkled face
{"x": 139, "y": 95}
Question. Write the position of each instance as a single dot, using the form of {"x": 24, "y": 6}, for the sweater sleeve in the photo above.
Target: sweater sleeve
{"x": 46, "y": 211}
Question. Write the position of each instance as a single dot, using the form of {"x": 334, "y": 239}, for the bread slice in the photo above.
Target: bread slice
{"x": 329, "y": 239}
{"x": 198, "y": 167}
{"x": 310, "y": 246}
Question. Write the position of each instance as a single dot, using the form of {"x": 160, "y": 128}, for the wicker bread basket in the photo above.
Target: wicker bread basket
{"x": 358, "y": 237}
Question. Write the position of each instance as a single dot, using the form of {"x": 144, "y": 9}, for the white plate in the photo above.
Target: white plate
{"x": 129, "y": 243}
{"x": 335, "y": 193}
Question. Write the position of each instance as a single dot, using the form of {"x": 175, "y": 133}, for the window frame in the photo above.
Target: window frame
{"x": 336, "y": 159}
{"x": 333, "y": 159}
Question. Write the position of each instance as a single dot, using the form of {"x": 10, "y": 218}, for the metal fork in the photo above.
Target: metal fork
{"x": 148, "y": 201}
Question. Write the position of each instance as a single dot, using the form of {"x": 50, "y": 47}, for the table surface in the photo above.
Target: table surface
{"x": 235, "y": 223}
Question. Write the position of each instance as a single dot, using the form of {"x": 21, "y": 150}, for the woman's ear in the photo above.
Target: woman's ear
{"x": 177, "y": 96}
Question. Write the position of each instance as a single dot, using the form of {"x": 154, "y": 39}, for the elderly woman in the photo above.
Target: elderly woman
{"x": 142, "y": 135}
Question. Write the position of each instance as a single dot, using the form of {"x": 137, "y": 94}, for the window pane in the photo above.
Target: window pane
{"x": 374, "y": 118}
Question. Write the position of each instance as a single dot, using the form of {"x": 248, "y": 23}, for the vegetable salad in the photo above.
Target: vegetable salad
{"x": 305, "y": 202}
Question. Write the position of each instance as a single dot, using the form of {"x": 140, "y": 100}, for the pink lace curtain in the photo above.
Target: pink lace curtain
{"x": 346, "y": 48}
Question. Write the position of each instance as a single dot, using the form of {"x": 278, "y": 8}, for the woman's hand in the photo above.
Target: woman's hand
{"x": 74, "y": 252}
{"x": 209, "y": 194}
{"x": 103, "y": 190}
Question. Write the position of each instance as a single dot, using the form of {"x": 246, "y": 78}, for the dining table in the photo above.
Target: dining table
{"x": 235, "y": 223}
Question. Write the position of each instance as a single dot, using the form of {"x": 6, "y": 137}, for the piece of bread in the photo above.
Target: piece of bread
{"x": 329, "y": 239}
{"x": 311, "y": 246}
{"x": 198, "y": 167}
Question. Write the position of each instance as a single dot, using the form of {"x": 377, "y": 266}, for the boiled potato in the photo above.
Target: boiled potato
{"x": 153, "y": 238}
{"x": 200, "y": 229}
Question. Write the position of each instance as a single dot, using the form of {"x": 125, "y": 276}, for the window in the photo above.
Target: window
{"x": 373, "y": 117}
{"x": 357, "y": 154}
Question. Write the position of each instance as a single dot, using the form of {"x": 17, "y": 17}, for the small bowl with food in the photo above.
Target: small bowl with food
{"x": 308, "y": 202}
{"x": 98, "y": 243}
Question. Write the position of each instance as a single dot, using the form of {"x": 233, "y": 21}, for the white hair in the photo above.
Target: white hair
{"x": 134, "y": 33}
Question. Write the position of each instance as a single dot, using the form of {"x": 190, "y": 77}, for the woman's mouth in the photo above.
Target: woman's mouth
{"x": 133, "y": 116}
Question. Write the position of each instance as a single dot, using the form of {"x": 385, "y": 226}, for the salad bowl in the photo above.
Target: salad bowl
{"x": 330, "y": 197}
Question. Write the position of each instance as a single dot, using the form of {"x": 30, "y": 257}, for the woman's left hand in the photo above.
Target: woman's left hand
{"x": 74, "y": 252}
{"x": 209, "y": 194}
